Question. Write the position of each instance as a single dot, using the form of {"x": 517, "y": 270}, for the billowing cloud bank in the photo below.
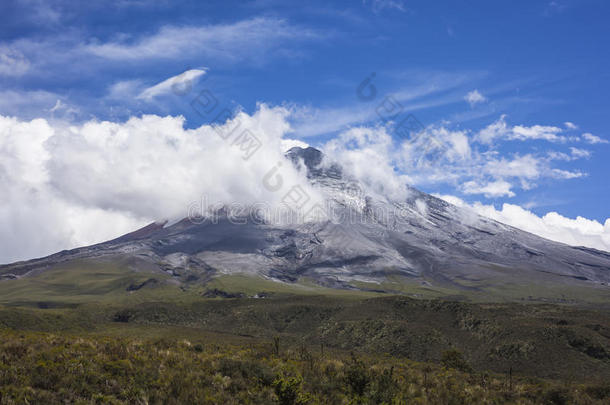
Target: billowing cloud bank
{"x": 577, "y": 232}
{"x": 65, "y": 186}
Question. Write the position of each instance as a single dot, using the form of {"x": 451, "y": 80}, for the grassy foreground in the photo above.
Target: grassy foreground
{"x": 102, "y": 333}
{"x": 64, "y": 368}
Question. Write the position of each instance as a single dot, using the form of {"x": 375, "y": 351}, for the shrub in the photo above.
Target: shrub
{"x": 122, "y": 316}
{"x": 453, "y": 358}
{"x": 557, "y": 396}
{"x": 288, "y": 390}
{"x": 599, "y": 391}
{"x": 384, "y": 387}
{"x": 357, "y": 376}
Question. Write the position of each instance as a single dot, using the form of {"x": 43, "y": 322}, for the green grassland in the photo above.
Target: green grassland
{"x": 549, "y": 341}
{"x": 118, "y": 280}
{"x": 73, "y": 316}
{"x": 79, "y": 282}
{"x": 498, "y": 292}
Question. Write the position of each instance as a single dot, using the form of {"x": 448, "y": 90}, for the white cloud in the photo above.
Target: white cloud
{"x": 496, "y": 130}
{"x": 12, "y": 62}
{"x": 149, "y": 168}
{"x": 576, "y": 232}
{"x": 501, "y": 130}
{"x": 593, "y": 139}
{"x": 566, "y": 174}
{"x": 65, "y": 186}
{"x": 439, "y": 155}
{"x": 288, "y": 144}
{"x": 527, "y": 169}
{"x": 578, "y": 153}
{"x": 524, "y": 167}
{"x": 554, "y": 155}
{"x": 177, "y": 84}
{"x": 125, "y": 89}
{"x": 41, "y": 12}
{"x": 457, "y": 142}
{"x": 547, "y": 133}
{"x": 451, "y": 199}
{"x": 575, "y": 154}
{"x": 570, "y": 125}
{"x": 243, "y": 40}
{"x": 474, "y": 97}
{"x": 30, "y": 104}
{"x": 499, "y": 188}
{"x": 369, "y": 155}
{"x": 69, "y": 53}
{"x": 421, "y": 207}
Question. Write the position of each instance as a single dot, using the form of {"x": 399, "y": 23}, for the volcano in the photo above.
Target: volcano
{"x": 422, "y": 246}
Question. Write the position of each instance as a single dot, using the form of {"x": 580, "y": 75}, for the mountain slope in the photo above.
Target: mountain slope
{"x": 421, "y": 246}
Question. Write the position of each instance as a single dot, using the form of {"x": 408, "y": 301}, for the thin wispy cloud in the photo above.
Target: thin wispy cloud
{"x": 251, "y": 39}
{"x": 438, "y": 89}
{"x": 391, "y": 5}
{"x": 58, "y": 60}
{"x": 555, "y": 7}
{"x": 32, "y": 103}
{"x": 12, "y": 62}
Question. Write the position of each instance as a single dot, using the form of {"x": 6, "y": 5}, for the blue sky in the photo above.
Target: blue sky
{"x": 537, "y": 70}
